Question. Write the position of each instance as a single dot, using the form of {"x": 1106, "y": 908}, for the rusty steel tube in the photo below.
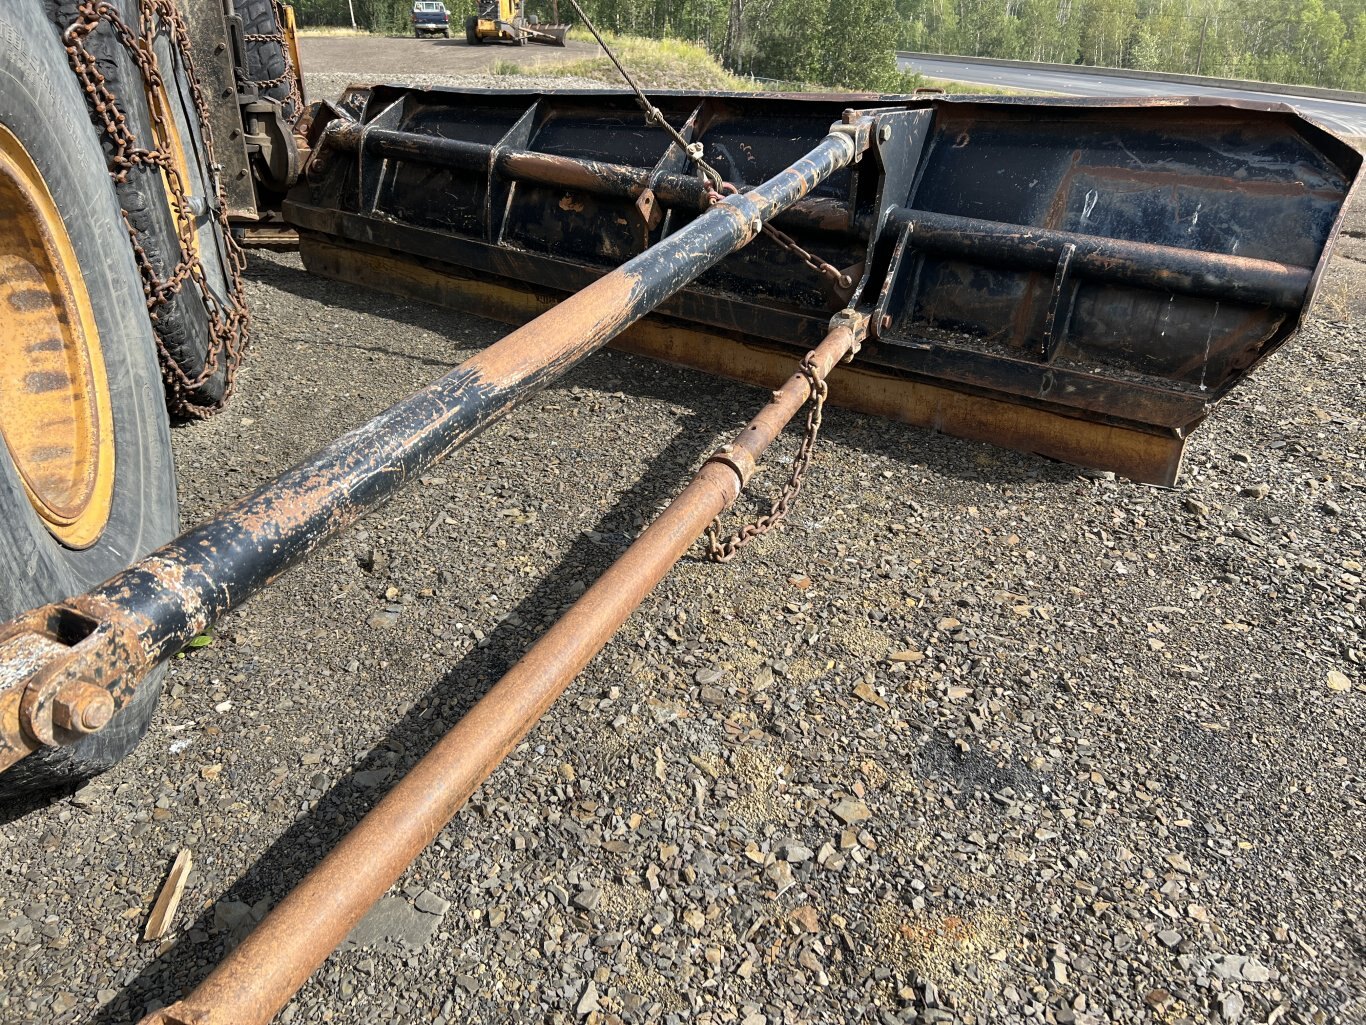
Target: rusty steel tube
{"x": 1101, "y": 258}
{"x": 142, "y": 616}
{"x": 259, "y": 976}
{"x": 620, "y": 181}
{"x": 352, "y": 136}
{"x": 596, "y": 176}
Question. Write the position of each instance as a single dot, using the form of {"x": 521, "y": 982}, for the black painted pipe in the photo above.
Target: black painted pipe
{"x": 116, "y": 632}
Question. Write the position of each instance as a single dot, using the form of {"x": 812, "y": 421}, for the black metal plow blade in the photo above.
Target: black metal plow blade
{"x": 1081, "y": 279}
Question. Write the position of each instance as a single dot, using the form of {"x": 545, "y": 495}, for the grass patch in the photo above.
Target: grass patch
{"x": 654, "y": 63}
{"x": 966, "y": 87}
{"x": 331, "y": 30}
{"x": 676, "y": 64}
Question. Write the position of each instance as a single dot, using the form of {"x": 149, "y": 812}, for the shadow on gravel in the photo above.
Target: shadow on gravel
{"x": 304, "y": 844}
{"x": 17, "y": 807}
{"x": 717, "y": 401}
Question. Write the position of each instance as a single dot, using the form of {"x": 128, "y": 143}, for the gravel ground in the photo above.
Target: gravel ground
{"x": 976, "y": 738}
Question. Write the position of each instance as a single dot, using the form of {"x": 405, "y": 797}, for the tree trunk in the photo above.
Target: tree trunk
{"x": 735, "y": 22}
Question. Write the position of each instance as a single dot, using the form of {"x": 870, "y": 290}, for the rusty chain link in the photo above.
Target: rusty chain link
{"x": 836, "y": 276}
{"x": 786, "y": 241}
{"x": 290, "y": 73}
{"x": 228, "y": 321}
{"x": 724, "y": 551}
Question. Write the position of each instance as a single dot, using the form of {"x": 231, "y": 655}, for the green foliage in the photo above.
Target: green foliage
{"x": 851, "y": 43}
{"x": 385, "y": 16}
{"x": 1313, "y": 42}
{"x": 856, "y": 46}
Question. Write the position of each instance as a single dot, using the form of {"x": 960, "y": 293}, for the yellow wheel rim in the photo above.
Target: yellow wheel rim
{"x": 56, "y": 418}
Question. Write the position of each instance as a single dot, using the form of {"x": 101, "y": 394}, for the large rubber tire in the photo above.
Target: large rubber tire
{"x": 42, "y": 106}
{"x": 266, "y": 59}
{"x": 182, "y": 322}
{"x": 472, "y": 31}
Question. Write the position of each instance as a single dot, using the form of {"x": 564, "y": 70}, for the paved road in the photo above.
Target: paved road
{"x": 1338, "y": 115}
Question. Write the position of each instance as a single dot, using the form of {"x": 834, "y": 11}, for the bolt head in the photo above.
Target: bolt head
{"x": 884, "y": 133}
{"x": 82, "y": 708}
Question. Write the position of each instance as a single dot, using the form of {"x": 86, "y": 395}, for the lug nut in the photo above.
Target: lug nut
{"x": 82, "y": 708}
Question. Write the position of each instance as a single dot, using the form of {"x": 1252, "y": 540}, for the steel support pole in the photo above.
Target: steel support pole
{"x": 260, "y": 975}
{"x": 597, "y": 177}
{"x": 1101, "y": 258}
{"x": 110, "y": 637}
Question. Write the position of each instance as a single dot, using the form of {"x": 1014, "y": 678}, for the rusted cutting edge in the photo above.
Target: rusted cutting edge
{"x": 66, "y": 668}
{"x": 259, "y": 976}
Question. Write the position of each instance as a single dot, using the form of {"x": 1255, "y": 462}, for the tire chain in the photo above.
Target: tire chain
{"x": 724, "y": 551}
{"x": 229, "y": 322}
{"x": 290, "y": 74}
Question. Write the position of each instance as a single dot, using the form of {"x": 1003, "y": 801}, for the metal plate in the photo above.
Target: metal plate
{"x": 1122, "y": 263}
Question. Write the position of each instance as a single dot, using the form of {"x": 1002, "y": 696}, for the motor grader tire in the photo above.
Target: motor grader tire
{"x": 267, "y": 60}
{"x": 181, "y": 321}
{"x": 86, "y": 479}
{"x": 472, "y": 31}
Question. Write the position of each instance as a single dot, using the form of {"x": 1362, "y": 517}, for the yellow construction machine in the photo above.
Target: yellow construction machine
{"x": 506, "y": 21}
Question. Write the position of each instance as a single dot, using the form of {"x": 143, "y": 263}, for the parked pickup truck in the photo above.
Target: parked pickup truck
{"x": 431, "y": 17}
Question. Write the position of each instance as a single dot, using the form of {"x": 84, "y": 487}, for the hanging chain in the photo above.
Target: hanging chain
{"x": 228, "y": 321}
{"x": 717, "y": 188}
{"x": 821, "y": 267}
{"x": 290, "y": 74}
{"x": 653, "y": 115}
{"x": 786, "y": 241}
{"x": 724, "y": 551}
